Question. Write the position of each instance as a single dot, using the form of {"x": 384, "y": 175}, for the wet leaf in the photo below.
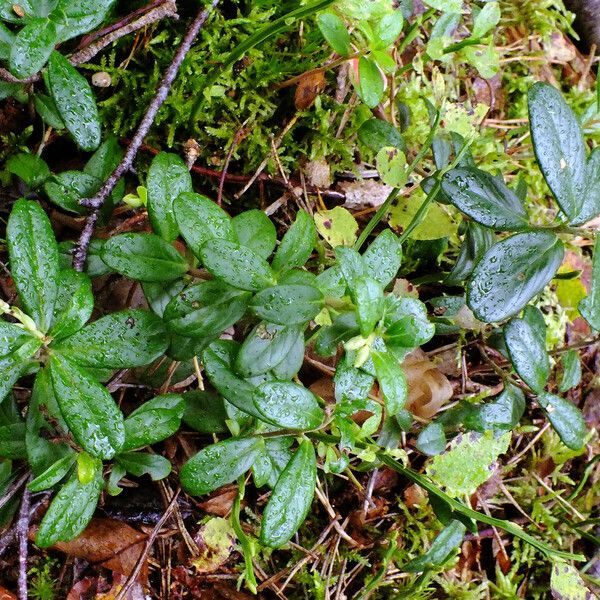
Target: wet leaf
{"x": 589, "y": 307}
{"x": 566, "y": 419}
{"x": 377, "y": 134}
{"x": 391, "y": 381}
{"x": 74, "y": 303}
{"x": 383, "y": 257}
{"x": 296, "y": 245}
{"x": 288, "y": 304}
{"x": 571, "y": 376}
{"x": 370, "y": 84}
{"x": 140, "y": 463}
{"x": 255, "y": 231}
{"x": 335, "y": 32}
{"x": 68, "y": 187}
{"x": 32, "y": 47}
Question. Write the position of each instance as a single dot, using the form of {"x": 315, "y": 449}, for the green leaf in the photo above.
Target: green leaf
{"x": 159, "y": 293}
{"x": 527, "y": 354}
{"x": 167, "y": 178}
{"x": 74, "y": 304}
{"x": 370, "y": 83}
{"x": 392, "y": 381}
{"x": 476, "y": 243}
{"x": 219, "y": 464}
{"x": 391, "y": 165}
{"x": 387, "y": 29}
{"x": 335, "y": 32}
{"x": 255, "y": 231}
{"x": 589, "y": 307}
{"x": 154, "y": 421}
{"x": 468, "y": 463}
{"x": 205, "y": 309}
{"x": 265, "y": 347}
{"x": 590, "y": 206}
{"x": 46, "y": 108}
{"x": 80, "y": 16}
{"x": 567, "y": 584}
{"x": 7, "y": 39}
{"x": 138, "y": 464}
{"x": 571, "y": 376}
{"x": 296, "y": 245}
{"x": 485, "y": 199}
{"x": 204, "y": 412}
{"x": 442, "y": 548}
{"x": 511, "y": 273}
{"x": 218, "y": 361}
{"x": 33, "y": 255}
{"x": 88, "y": 409}
{"x": 351, "y": 384}
{"x": 566, "y": 419}
{"x": 293, "y": 360}
{"x": 451, "y": 6}
{"x": 28, "y": 167}
{"x": 344, "y": 327}
{"x": 487, "y": 18}
{"x": 12, "y": 441}
{"x": 75, "y": 102}
{"x": 383, "y": 257}
{"x": 105, "y": 160}
{"x": 377, "y": 134}
{"x": 502, "y": 414}
{"x": 236, "y": 265}
{"x": 351, "y": 265}
{"x": 271, "y": 462}
{"x": 68, "y": 187}
{"x": 16, "y": 360}
{"x": 288, "y": 405}
{"x": 32, "y": 47}
{"x": 70, "y": 511}
{"x": 337, "y": 226}
{"x": 200, "y": 219}
{"x": 558, "y": 145}
{"x": 120, "y": 340}
{"x": 408, "y": 332}
{"x": 54, "y": 474}
{"x": 367, "y": 295}
{"x": 291, "y": 498}
{"x": 432, "y": 439}
{"x": 288, "y": 304}
{"x": 143, "y": 256}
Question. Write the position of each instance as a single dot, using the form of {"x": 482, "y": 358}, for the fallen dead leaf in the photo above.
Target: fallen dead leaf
{"x": 309, "y": 87}
{"x": 6, "y": 595}
{"x": 215, "y": 540}
{"x": 221, "y": 502}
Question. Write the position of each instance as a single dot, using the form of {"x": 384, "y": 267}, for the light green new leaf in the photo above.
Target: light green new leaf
{"x": 392, "y": 381}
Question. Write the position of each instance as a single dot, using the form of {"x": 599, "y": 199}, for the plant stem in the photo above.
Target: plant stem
{"x": 96, "y": 203}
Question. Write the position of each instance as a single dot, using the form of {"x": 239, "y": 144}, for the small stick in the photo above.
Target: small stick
{"x": 96, "y": 203}
{"x": 22, "y": 531}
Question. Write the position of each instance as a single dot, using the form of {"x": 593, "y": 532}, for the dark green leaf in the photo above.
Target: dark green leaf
{"x": 502, "y": 414}
{"x": 370, "y": 84}
{"x": 367, "y": 295}
{"x": 392, "y": 381}
{"x": 138, "y": 464}
{"x": 291, "y": 498}
{"x": 200, "y": 219}
{"x": 75, "y": 102}
{"x": 89, "y": 410}
{"x": 571, "y": 376}
{"x": 288, "y": 405}
{"x": 335, "y": 32}
{"x": 343, "y": 328}
{"x": 432, "y": 439}
{"x": 205, "y": 309}
{"x": 486, "y": 199}
{"x": 120, "y": 340}
{"x": 351, "y": 264}
{"x": 590, "y": 206}
{"x": 12, "y": 441}
{"x": 271, "y": 462}
{"x": 236, "y": 265}
{"x": 589, "y": 307}
{"x": 297, "y": 244}
{"x": 511, "y": 273}
{"x": 264, "y": 348}
{"x": 566, "y": 419}
{"x": 153, "y": 421}
{"x": 16, "y": 362}
{"x": 219, "y": 464}
{"x": 68, "y": 187}
{"x": 143, "y": 256}
{"x": 558, "y": 145}
{"x": 377, "y": 134}
{"x": 28, "y": 167}
{"x": 383, "y": 257}
{"x": 105, "y": 160}
{"x": 442, "y": 548}
{"x": 70, "y": 510}
{"x": 81, "y": 16}
{"x": 204, "y": 412}
{"x": 32, "y": 47}
{"x": 255, "y": 231}
{"x": 74, "y": 304}
{"x": 527, "y": 354}
{"x": 293, "y": 360}
{"x": 288, "y": 304}
{"x": 11, "y": 337}
{"x": 167, "y": 178}
{"x": 351, "y": 384}
{"x": 54, "y": 474}
{"x": 476, "y": 243}
{"x": 534, "y": 316}
{"x": 46, "y": 108}
{"x": 33, "y": 254}
{"x": 408, "y": 332}
{"x": 159, "y": 293}
{"x": 7, "y": 39}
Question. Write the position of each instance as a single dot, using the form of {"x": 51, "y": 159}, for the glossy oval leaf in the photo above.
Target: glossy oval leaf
{"x": 571, "y": 375}
{"x": 511, "y": 273}
{"x": 255, "y": 231}
{"x": 528, "y": 354}
{"x": 392, "y": 381}
{"x": 288, "y": 405}
{"x": 589, "y": 307}
{"x": 236, "y": 265}
{"x": 296, "y": 245}
{"x": 32, "y": 47}
{"x": 54, "y": 474}
{"x": 558, "y": 145}
{"x": 120, "y": 340}
{"x": 383, "y": 257}
{"x": 370, "y": 84}
{"x": 67, "y": 188}
{"x": 377, "y": 134}
{"x": 74, "y": 303}
{"x": 143, "y": 256}
{"x": 335, "y": 32}
{"x": 291, "y": 498}
{"x": 81, "y": 16}
{"x": 367, "y": 295}
{"x": 288, "y": 304}
{"x": 168, "y": 177}
{"x": 33, "y": 255}
{"x": 75, "y": 102}
{"x": 485, "y": 199}
{"x": 219, "y": 464}
{"x": 88, "y": 409}
{"x": 566, "y": 419}
{"x": 140, "y": 463}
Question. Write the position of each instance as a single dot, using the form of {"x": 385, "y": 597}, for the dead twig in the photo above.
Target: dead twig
{"x": 96, "y": 203}
{"x": 22, "y": 531}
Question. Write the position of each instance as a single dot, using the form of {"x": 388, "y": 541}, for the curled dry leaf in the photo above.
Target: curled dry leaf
{"x": 221, "y": 501}
{"x": 428, "y": 388}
